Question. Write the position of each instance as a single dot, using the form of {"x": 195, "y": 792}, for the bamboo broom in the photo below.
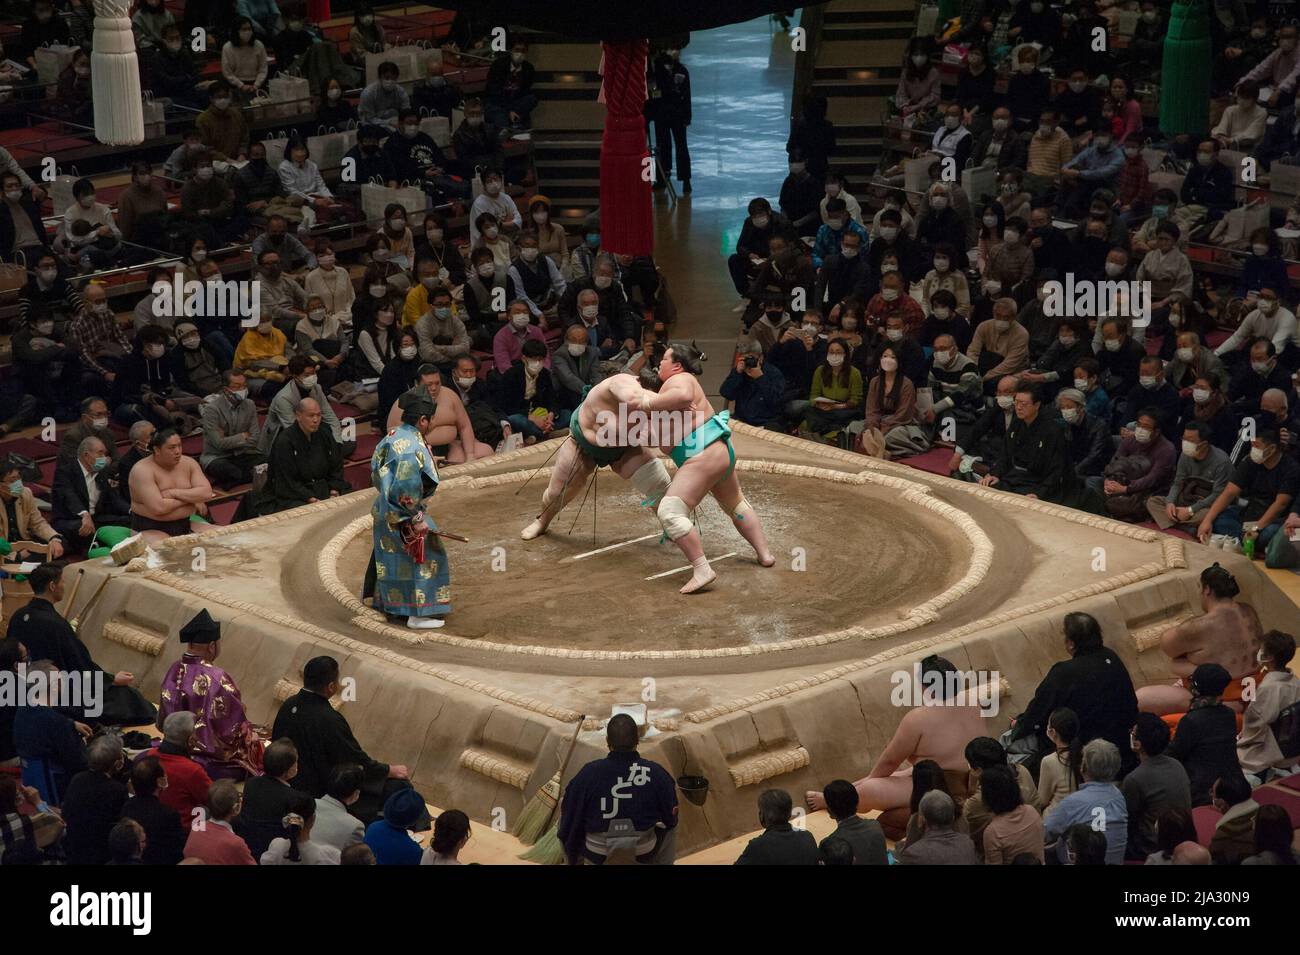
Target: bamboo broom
{"x": 536, "y": 815}
{"x": 72, "y": 595}
{"x": 75, "y": 622}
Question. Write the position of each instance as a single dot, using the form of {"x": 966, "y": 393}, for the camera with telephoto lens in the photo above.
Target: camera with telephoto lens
{"x": 751, "y": 361}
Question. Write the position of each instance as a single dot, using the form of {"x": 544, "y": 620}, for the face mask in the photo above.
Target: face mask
{"x": 943, "y": 357}
{"x": 889, "y": 233}
{"x": 577, "y": 349}
{"x": 1001, "y": 125}
{"x": 1077, "y": 86}
{"x": 1205, "y": 158}
{"x": 13, "y": 195}
{"x": 894, "y": 334}
{"x": 87, "y": 202}
{"x": 1262, "y": 367}
{"x": 533, "y": 367}
{"x": 519, "y": 320}
{"x": 408, "y": 352}
{"x": 993, "y": 287}
{"x": 1071, "y": 415}
{"x": 1268, "y": 305}
{"x": 1010, "y": 236}
{"x": 491, "y": 232}
{"x": 835, "y": 360}
{"x": 942, "y": 313}
{"x": 316, "y": 316}
{"x": 990, "y": 222}
{"x": 44, "y": 328}
{"x": 1081, "y": 384}
{"x": 940, "y": 264}
{"x": 265, "y": 327}
{"x": 100, "y": 463}
{"x": 378, "y": 291}
{"x": 889, "y": 294}
{"x": 589, "y": 312}
{"x": 849, "y": 324}
{"x": 486, "y": 270}
{"x": 835, "y": 224}
{"x": 1160, "y": 212}
{"x": 760, "y": 222}
{"x": 434, "y": 235}
{"x": 1148, "y": 381}
{"x": 1190, "y": 447}
{"x": 939, "y": 203}
{"x": 1142, "y": 435}
{"x": 493, "y": 188}
{"x": 920, "y": 59}
{"x": 888, "y": 364}
{"x": 198, "y": 255}
{"x": 384, "y": 318}
{"x": 16, "y": 488}
{"x": 474, "y": 121}
{"x": 593, "y": 240}
{"x": 1114, "y": 269}
{"x": 1006, "y": 401}
{"x": 442, "y": 312}
{"x": 397, "y": 224}
{"x": 1258, "y": 455}
{"x": 191, "y": 343}
{"x": 602, "y": 281}
{"x": 529, "y": 255}
{"x": 154, "y": 351}
{"x": 849, "y": 253}
{"x": 1259, "y": 248}
{"x": 1044, "y": 130}
{"x": 1067, "y": 341}
{"x": 429, "y": 281}
{"x": 203, "y": 172}
{"x": 308, "y": 382}
{"x": 1001, "y": 324}
{"x": 466, "y": 383}
{"x": 1112, "y": 344}
{"x": 221, "y": 102}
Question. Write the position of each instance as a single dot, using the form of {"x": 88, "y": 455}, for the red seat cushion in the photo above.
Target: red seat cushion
{"x": 934, "y": 461}
{"x": 223, "y": 512}
{"x": 366, "y": 444}
{"x": 31, "y": 447}
{"x": 1276, "y": 796}
{"x": 1205, "y": 818}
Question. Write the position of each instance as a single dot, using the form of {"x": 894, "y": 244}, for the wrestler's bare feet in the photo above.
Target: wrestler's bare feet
{"x": 702, "y": 577}
{"x": 424, "y": 623}
{"x": 535, "y": 529}
{"x": 765, "y": 559}
{"x": 815, "y": 800}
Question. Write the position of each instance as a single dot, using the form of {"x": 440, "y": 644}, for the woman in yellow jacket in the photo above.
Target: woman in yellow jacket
{"x": 836, "y": 393}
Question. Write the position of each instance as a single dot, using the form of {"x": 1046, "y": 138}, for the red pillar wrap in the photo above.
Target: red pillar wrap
{"x": 626, "y": 226}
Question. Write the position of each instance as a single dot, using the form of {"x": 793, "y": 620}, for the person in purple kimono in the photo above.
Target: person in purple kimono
{"x": 228, "y": 745}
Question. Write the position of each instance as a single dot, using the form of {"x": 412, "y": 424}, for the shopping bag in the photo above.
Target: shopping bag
{"x": 291, "y": 96}
{"x": 13, "y": 275}
{"x": 1284, "y": 176}
{"x": 954, "y": 54}
{"x": 376, "y": 197}
{"x": 51, "y": 61}
{"x": 61, "y": 189}
{"x": 275, "y": 148}
{"x": 926, "y": 20}
{"x": 327, "y": 147}
{"x": 916, "y": 173}
{"x": 979, "y": 181}
{"x": 437, "y": 128}
{"x": 155, "y": 116}
{"x": 406, "y": 58}
{"x": 1234, "y": 229}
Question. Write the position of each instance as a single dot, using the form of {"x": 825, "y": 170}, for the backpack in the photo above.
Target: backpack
{"x": 1128, "y": 507}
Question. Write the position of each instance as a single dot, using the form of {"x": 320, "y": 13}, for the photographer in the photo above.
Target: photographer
{"x": 756, "y": 390}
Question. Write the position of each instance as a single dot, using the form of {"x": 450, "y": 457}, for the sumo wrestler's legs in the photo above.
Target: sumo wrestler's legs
{"x": 456, "y": 451}
{"x": 568, "y": 474}
{"x": 882, "y": 793}
{"x": 728, "y": 494}
{"x": 692, "y": 481}
{"x": 1163, "y": 699}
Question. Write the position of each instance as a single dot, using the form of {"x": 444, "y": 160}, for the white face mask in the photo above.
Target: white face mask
{"x": 1081, "y": 384}
{"x": 577, "y": 349}
{"x": 1190, "y": 447}
{"x": 13, "y": 195}
{"x": 1112, "y": 344}
{"x": 989, "y": 221}
{"x": 920, "y": 59}
{"x": 942, "y": 312}
{"x": 528, "y": 255}
{"x": 1066, "y": 341}
{"x": 203, "y": 172}
{"x": 1002, "y": 324}
{"x": 849, "y": 252}
{"x": 894, "y": 334}
{"x": 888, "y": 232}
{"x": 888, "y": 364}
{"x": 316, "y": 316}
{"x": 889, "y": 294}
{"x": 1200, "y": 395}
{"x": 602, "y": 282}
{"x": 943, "y": 358}
{"x": 533, "y": 367}
{"x": 1001, "y": 125}
{"x": 265, "y": 327}
{"x": 1257, "y": 455}
{"x": 308, "y": 382}
{"x": 378, "y": 291}
{"x": 334, "y": 94}
{"x": 486, "y": 270}
{"x": 1262, "y": 367}
{"x": 1259, "y": 248}
{"x": 1184, "y": 355}
{"x": 408, "y": 352}
{"x": 939, "y": 202}
{"x": 44, "y": 328}
{"x": 1148, "y": 381}
{"x": 1142, "y": 435}
{"x": 519, "y": 320}
{"x": 540, "y": 217}
{"x": 835, "y": 360}
{"x": 49, "y": 275}
{"x": 589, "y": 312}
{"x": 993, "y": 287}
{"x": 760, "y": 222}
{"x": 1071, "y": 415}
{"x": 466, "y": 383}
{"x": 1005, "y": 402}
{"x": 888, "y": 267}
{"x": 1114, "y": 269}
{"x": 1010, "y": 236}
{"x": 491, "y": 232}
{"x": 99, "y": 423}
{"x": 191, "y": 342}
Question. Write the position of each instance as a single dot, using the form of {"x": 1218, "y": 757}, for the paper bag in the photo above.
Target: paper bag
{"x": 375, "y": 198}
{"x": 327, "y": 148}
{"x": 291, "y": 96}
{"x": 52, "y": 61}
{"x": 979, "y": 181}
{"x": 406, "y": 58}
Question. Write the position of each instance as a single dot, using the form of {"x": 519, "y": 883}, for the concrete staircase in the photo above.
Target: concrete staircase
{"x": 567, "y": 125}
{"x": 857, "y": 66}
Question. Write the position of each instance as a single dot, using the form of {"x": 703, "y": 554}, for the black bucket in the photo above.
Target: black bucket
{"x": 694, "y": 788}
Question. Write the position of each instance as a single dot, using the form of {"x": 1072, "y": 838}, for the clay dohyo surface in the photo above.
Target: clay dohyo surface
{"x": 776, "y": 677}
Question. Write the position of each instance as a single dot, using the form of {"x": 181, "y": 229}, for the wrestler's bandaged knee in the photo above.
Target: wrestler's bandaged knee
{"x": 675, "y": 517}
{"x": 651, "y": 480}
{"x": 742, "y": 511}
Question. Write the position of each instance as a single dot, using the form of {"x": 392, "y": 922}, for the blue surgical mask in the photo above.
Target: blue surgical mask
{"x": 16, "y": 488}
{"x": 593, "y": 240}
{"x": 101, "y": 462}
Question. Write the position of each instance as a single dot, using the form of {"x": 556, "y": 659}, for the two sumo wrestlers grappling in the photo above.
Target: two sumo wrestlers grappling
{"x": 408, "y": 575}
{"x": 705, "y": 459}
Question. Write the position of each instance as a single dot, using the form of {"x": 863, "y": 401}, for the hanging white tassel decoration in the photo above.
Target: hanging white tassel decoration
{"x": 115, "y": 76}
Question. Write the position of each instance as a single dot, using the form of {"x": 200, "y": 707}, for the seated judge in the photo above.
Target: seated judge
{"x": 306, "y": 463}
{"x": 40, "y": 628}
{"x": 20, "y": 518}
{"x": 226, "y": 744}
{"x": 86, "y": 496}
